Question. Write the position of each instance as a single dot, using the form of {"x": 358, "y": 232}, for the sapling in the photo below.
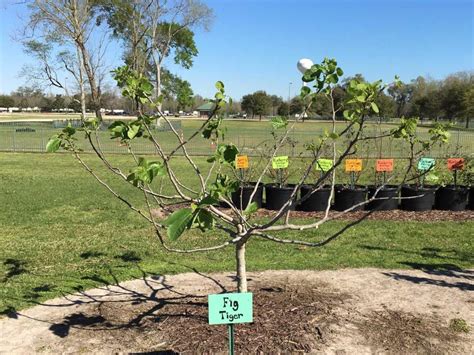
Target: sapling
{"x": 195, "y": 206}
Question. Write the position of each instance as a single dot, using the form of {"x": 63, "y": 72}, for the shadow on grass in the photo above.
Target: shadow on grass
{"x": 436, "y": 253}
{"x": 461, "y": 279}
{"x": 14, "y": 267}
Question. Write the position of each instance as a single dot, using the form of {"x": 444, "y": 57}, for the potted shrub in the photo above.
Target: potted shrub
{"x": 278, "y": 192}
{"x": 316, "y": 197}
{"x": 467, "y": 175}
{"x": 387, "y": 195}
{"x": 452, "y": 197}
{"x": 347, "y": 196}
{"x": 419, "y": 196}
{"x": 244, "y": 174}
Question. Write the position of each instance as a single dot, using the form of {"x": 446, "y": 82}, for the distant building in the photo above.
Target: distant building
{"x": 206, "y": 109}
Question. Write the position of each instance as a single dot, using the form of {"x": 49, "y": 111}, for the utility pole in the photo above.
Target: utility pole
{"x": 289, "y": 95}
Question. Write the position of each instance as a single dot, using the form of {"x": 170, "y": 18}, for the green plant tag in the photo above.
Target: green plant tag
{"x": 323, "y": 165}
{"x": 280, "y": 162}
{"x": 230, "y": 308}
{"x": 426, "y": 164}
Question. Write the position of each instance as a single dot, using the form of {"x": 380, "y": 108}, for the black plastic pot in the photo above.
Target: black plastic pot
{"x": 424, "y": 201}
{"x": 471, "y": 198}
{"x": 390, "y": 201}
{"x": 345, "y": 197}
{"x": 318, "y": 201}
{"x": 243, "y": 195}
{"x": 276, "y": 197}
{"x": 451, "y": 198}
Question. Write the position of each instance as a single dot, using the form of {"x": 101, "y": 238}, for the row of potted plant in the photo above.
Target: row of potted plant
{"x": 423, "y": 195}
{"x": 390, "y": 197}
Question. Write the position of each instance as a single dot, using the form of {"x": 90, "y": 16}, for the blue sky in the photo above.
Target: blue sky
{"x": 255, "y": 44}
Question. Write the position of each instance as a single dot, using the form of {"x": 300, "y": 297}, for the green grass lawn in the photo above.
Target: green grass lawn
{"x": 61, "y": 232}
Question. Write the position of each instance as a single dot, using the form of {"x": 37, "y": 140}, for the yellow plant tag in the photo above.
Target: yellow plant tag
{"x": 242, "y": 162}
{"x": 353, "y": 165}
{"x": 323, "y": 165}
{"x": 280, "y": 162}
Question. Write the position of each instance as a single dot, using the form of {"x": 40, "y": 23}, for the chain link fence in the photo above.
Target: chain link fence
{"x": 33, "y": 137}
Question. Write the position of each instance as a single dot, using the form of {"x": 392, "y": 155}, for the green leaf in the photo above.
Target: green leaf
{"x": 339, "y": 72}
{"x": 374, "y": 107}
{"x": 53, "y": 144}
{"x": 251, "y": 209}
{"x": 202, "y": 219}
{"x": 208, "y": 201}
{"x": 279, "y": 122}
{"x": 177, "y": 222}
{"x": 69, "y": 130}
{"x": 305, "y": 91}
{"x": 133, "y": 131}
{"x": 220, "y": 86}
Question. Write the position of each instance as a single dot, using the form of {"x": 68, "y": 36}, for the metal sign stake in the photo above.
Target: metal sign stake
{"x": 231, "y": 339}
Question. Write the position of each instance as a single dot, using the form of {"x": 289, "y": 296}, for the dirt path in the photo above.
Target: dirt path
{"x": 351, "y": 311}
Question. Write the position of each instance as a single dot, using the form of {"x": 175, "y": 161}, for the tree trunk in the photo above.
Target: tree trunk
{"x": 467, "y": 121}
{"x": 81, "y": 85}
{"x": 241, "y": 267}
{"x": 157, "y": 62}
{"x": 95, "y": 91}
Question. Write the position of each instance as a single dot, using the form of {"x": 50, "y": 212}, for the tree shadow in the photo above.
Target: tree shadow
{"x": 129, "y": 257}
{"x": 462, "y": 278}
{"x": 157, "y": 294}
{"x": 15, "y": 267}
{"x": 76, "y": 319}
{"x": 91, "y": 254}
{"x": 428, "y": 252}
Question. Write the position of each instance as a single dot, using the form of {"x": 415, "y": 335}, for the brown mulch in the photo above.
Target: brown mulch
{"x": 395, "y": 215}
{"x": 404, "y": 333}
{"x": 291, "y": 318}
{"x": 287, "y": 319}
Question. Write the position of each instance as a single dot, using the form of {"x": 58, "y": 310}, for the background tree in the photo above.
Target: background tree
{"x": 154, "y": 30}
{"x": 6, "y": 101}
{"x": 283, "y": 109}
{"x": 276, "y": 102}
{"x": 401, "y": 95}
{"x": 296, "y": 106}
{"x": 258, "y": 103}
{"x": 469, "y": 105}
{"x": 68, "y": 22}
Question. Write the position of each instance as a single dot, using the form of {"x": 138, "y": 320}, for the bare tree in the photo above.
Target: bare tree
{"x": 70, "y": 23}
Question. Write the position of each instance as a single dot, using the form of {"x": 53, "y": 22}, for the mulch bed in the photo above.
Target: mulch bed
{"x": 395, "y": 215}
{"x": 403, "y": 333}
{"x": 288, "y": 318}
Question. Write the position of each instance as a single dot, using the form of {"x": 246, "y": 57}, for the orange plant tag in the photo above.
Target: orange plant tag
{"x": 242, "y": 162}
{"x": 455, "y": 163}
{"x": 353, "y": 165}
{"x": 384, "y": 165}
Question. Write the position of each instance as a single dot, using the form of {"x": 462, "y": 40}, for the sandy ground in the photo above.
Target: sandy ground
{"x": 355, "y": 311}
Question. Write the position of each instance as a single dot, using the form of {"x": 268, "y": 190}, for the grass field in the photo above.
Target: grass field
{"x": 62, "y": 232}
{"x": 250, "y": 136}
